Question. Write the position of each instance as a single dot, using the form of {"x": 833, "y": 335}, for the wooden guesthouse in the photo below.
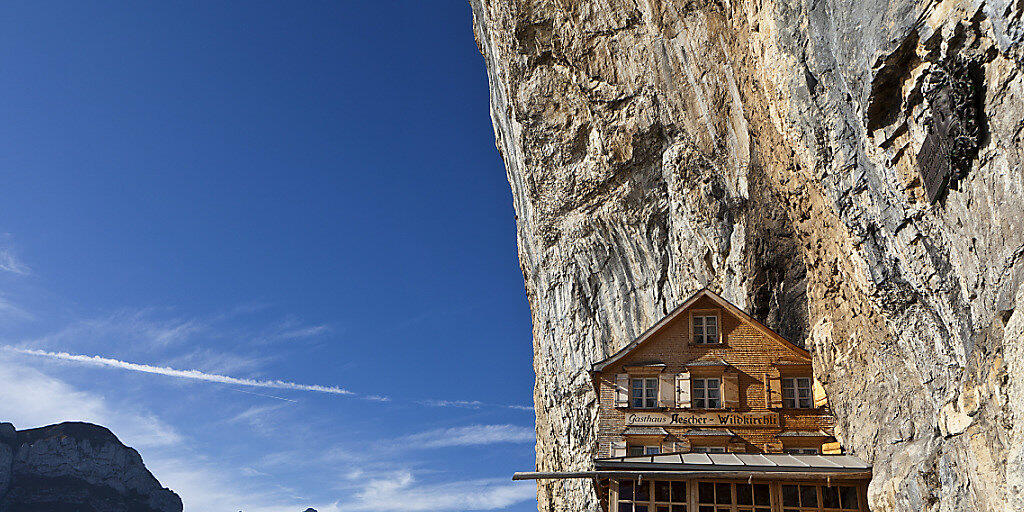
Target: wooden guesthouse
{"x": 711, "y": 411}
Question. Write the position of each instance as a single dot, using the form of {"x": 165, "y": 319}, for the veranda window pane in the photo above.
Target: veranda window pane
{"x": 723, "y": 494}
{"x": 744, "y": 494}
{"x": 790, "y": 498}
{"x": 706, "y": 492}
{"x": 808, "y": 496}
{"x": 848, "y": 497}
{"x": 679, "y": 492}
{"x": 640, "y": 508}
{"x": 662, "y": 491}
{"x": 761, "y": 495}
{"x": 643, "y": 492}
{"x": 625, "y": 507}
{"x": 830, "y": 497}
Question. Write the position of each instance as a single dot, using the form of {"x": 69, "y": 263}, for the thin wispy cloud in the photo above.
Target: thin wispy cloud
{"x": 10, "y": 263}
{"x": 471, "y": 435}
{"x": 305, "y": 332}
{"x": 464, "y": 404}
{"x": 470, "y": 404}
{"x": 401, "y": 492}
{"x": 183, "y": 374}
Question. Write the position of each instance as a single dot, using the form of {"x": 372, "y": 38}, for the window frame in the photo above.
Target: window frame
{"x": 801, "y": 450}
{"x": 708, "y": 449}
{"x": 652, "y": 503}
{"x": 649, "y": 395}
{"x": 704, "y": 392}
{"x": 645, "y": 449}
{"x": 792, "y": 385}
{"x": 701, "y": 317}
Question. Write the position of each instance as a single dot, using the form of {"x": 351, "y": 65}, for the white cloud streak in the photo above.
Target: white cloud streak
{"x": 399, "y": 493}
{"x": 470, "y": 404}
{"x": 183, "y": 374}
{"x": 10, "y": 263}
{"x": 471, "y": 435}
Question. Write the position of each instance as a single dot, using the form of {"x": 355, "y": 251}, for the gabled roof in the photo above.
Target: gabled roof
{"x": 678, "y": 311}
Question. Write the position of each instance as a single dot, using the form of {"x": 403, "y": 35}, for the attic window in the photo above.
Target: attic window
{"x": 705, "y": 329}
{"x": 644, "y": 393}
{"x": 796, "y": 393}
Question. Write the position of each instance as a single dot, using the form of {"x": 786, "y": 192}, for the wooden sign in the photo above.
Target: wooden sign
{"x": 703, "y": 419}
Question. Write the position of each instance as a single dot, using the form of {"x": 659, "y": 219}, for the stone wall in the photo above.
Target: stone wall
{"x": 848, "y": 171}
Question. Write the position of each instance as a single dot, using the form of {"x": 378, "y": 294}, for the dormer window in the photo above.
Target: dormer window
{"x": 707, "y": 393}
{"x": 643, "y": 393}
{"x": 705, "y": 329}
{"x": 796, "y": 393}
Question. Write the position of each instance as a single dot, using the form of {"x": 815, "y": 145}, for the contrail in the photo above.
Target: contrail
{"x": 184, "y": 374}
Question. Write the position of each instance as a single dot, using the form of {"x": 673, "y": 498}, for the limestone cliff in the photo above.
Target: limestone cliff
{"x": 848, "y": 171}
{"x": 76, "y": 467}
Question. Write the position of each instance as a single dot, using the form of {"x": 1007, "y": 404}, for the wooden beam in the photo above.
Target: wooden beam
{"x": 731, "y": 475}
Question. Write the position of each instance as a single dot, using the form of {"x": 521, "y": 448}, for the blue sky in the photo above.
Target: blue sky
{"x": 305, "y": 192}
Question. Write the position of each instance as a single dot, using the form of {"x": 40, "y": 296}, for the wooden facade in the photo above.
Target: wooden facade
{"x": 710, "y": 382}
{"x": 748, "y": 390}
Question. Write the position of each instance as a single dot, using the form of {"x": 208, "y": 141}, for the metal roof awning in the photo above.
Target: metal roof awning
{"x": 719, "y": 465}
{"x": 645, "y": 431}
{"x": 709, "y": 432}
{"x": 803, "y": 433}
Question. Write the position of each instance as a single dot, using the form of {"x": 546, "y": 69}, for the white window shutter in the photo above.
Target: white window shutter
{"x": 667, "y": 390}
{"x": 683, "y": 390}
{"x": 818, "y": 392}
{"x": 622, "y": 390}
{"x": 619, "y": 448}
{"x": 731, "y": 389}
{"x": 773, "y": 389}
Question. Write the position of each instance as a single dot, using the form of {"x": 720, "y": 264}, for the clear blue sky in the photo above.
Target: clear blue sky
{"x": 298, "y": 191}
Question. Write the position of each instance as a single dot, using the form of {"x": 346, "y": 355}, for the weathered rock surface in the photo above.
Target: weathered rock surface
{"x": 76, "y": 467}
{"x": 849, "y": 171}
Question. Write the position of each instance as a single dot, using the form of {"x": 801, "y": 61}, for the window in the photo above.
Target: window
{"x": 633, "y": 497}
{"x": 800, "y": 451}
{"x": 644, "y": 393}
{"x": 796, "y": 393}
{"x": 635, "y": 450}
{"x": 714, "y": 497}
{"x": 753, "y": 498}
{"x": 842, "y": 497}
{"x": 705, "y": 329}
{"x": 707, "y": 449}
{"x": 706, "y": 393}
{"x": 669, "y": 496}
{"x": 800, "y": 498}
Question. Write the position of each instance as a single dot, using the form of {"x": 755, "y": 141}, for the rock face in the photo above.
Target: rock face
{"x": 76, "y": 467}
{"x": 848, "y": 171}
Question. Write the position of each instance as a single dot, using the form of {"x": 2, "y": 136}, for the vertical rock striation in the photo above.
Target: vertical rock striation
{"x": 76, "y": 466}
{"x": 848, "y": 171}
